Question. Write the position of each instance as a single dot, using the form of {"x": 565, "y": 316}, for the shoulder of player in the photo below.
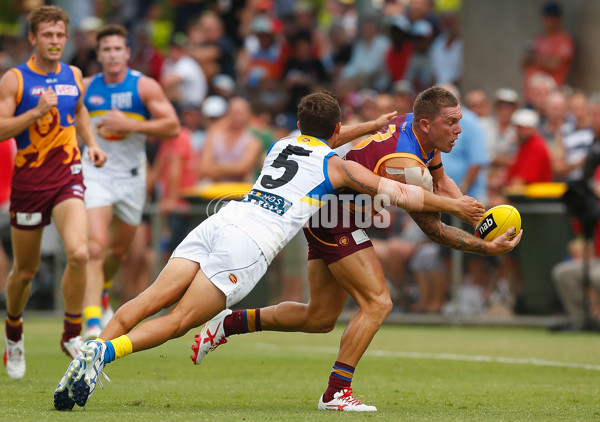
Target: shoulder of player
{"x": 148, "y": 87}
{"x": 9, "y": 84}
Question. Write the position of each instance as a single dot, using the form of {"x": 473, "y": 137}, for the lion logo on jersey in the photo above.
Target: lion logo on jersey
{"x": 45, "y": 135}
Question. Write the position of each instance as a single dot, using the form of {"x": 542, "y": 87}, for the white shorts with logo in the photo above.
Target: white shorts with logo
{"x": 126, "y": 196}
{"x": 227, "y": 256}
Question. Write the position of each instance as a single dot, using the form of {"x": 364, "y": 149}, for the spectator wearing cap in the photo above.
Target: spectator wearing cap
{"x": 419, "y": 71}
{"x": 399, "y": 53}
{"x": 447, "y": 51}
{"x": 364, "y": 70}
{"x": 551, "y": 52}
{"x": 404, "y": 96}
{"x": 532, "y": 162}
{"x": 223, "y": 85}
{"x": 182, "y": 77}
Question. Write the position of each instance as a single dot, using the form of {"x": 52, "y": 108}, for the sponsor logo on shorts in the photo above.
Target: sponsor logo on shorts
{"x": 232, "y": 278}
{"x": 29, "y": 218}
{"x": 75, "y": 168}
{"x": 96, "y": 100}
{"x": 77, "y": 190}
{"x": 344, "y": 241}
{"x": 68, "y": 90}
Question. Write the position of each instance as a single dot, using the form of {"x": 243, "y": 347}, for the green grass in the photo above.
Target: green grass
{"x": 409, "y": 373}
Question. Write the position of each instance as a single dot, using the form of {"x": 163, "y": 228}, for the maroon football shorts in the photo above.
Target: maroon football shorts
{"x": 30, "y": 209}
{"x": 331, "y": 247}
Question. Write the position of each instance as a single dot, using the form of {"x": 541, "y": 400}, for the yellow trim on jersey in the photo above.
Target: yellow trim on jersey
{"x": 322, "y": 241}
{"x": 310, "y": 141}
{"x": 31, "y": 65}
{"x": 129, "y": 114}
{"x": 378, "y": 137}
{"x": 423, "y": 153}
{"x": 77, "y": 80}
{"x": 397, "y": 155}
{"x": 19, "y": 96}
{"x": 311, "y": 201}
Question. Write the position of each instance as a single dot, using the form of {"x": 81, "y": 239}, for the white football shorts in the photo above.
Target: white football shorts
{"x": 127, "y": 197}
{"x": 227, "y": 256}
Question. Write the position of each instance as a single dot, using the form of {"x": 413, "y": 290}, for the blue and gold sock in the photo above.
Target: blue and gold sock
{"x": 340, "y": 378}
{"x": 242, "y": 322}
{"x": 92, "y": 315}
{"x": 117, "y": 348}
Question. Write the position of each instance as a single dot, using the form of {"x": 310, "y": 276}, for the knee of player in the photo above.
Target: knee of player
{"x": 77, "y": 256}
{"x": 379, "y": 307}
{"x": 22, "y": 275}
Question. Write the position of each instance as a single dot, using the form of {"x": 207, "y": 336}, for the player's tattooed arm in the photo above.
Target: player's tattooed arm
{"x": 359, "y": 185}
{"x": 450, "y": 236}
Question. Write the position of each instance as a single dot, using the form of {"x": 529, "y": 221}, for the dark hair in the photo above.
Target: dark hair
{"x": 46, "y": 14}
{"x": 430, "y": 103}
{"x": 318, "y": 114}
{"x": 111, "y": 29}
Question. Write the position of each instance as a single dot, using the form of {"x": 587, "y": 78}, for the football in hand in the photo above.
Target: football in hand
{"x": 497, "y": 220}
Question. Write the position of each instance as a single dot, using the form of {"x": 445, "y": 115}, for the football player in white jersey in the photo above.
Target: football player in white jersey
{"x": 223, "y": 258}
{"x": 126, "y": 106}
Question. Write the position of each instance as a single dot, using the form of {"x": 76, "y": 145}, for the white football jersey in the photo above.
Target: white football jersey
{"x": 287, "y": 192}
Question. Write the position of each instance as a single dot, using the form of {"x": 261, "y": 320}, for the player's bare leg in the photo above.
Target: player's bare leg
{"x": 99, "y": 223}
{"x": 71, "y": 222}
{"x": 169, "y": 287}
{"x": 26, "y": 258}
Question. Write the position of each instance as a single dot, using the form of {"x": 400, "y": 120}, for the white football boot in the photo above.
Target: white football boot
{"x": 344, "y": 401}
{"x": 211, "y": 337}
{"x": 14, "y": 357}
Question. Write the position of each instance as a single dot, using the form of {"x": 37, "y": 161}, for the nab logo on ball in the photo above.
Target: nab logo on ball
{"x": 486, "y": 226}
{"x": 496, "y": 221}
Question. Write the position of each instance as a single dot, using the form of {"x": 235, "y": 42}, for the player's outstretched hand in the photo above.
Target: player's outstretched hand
{"x": 97, "y": 156}
{"x": 470, "y": 210}
{"x": 384, "y": 119}
{"x": 503, "y": 243}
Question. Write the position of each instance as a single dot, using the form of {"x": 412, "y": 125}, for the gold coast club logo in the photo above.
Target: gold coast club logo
{"x": 232, "y": 278}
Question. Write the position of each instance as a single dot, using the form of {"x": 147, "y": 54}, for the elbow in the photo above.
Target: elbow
{"x": 174, "y": 129}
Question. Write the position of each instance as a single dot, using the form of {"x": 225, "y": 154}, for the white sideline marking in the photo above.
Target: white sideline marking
{"x": 443, "y": 356}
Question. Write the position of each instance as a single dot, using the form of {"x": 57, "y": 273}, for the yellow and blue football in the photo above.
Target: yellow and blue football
{"x": 497, "y": 220}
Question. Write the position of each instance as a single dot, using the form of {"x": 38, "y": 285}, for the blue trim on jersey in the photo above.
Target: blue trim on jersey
{"x": 408, "y": 142}
{"x": 326, "y": 172}
{"x": 271, "y": 147}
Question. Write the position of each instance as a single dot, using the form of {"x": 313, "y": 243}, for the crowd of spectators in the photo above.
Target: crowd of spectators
{"x": 235, "y": 71}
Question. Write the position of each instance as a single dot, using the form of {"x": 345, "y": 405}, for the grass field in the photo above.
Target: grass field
{"x": 409, "y": 373}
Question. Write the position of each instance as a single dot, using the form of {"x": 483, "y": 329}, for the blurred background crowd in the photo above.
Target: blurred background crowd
{"x": 236, "y": 69}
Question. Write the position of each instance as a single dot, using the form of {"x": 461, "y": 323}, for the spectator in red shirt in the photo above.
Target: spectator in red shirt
{"x": 532, "y": 163}
{"x": 551, "y": 52}
{"x": 399, "y": 53}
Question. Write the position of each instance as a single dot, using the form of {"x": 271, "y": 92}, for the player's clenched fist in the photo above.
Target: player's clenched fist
{"x": 47, "y": 100}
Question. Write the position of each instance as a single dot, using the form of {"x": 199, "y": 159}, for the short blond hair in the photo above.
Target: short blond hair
{"x": 46, "y": 14}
